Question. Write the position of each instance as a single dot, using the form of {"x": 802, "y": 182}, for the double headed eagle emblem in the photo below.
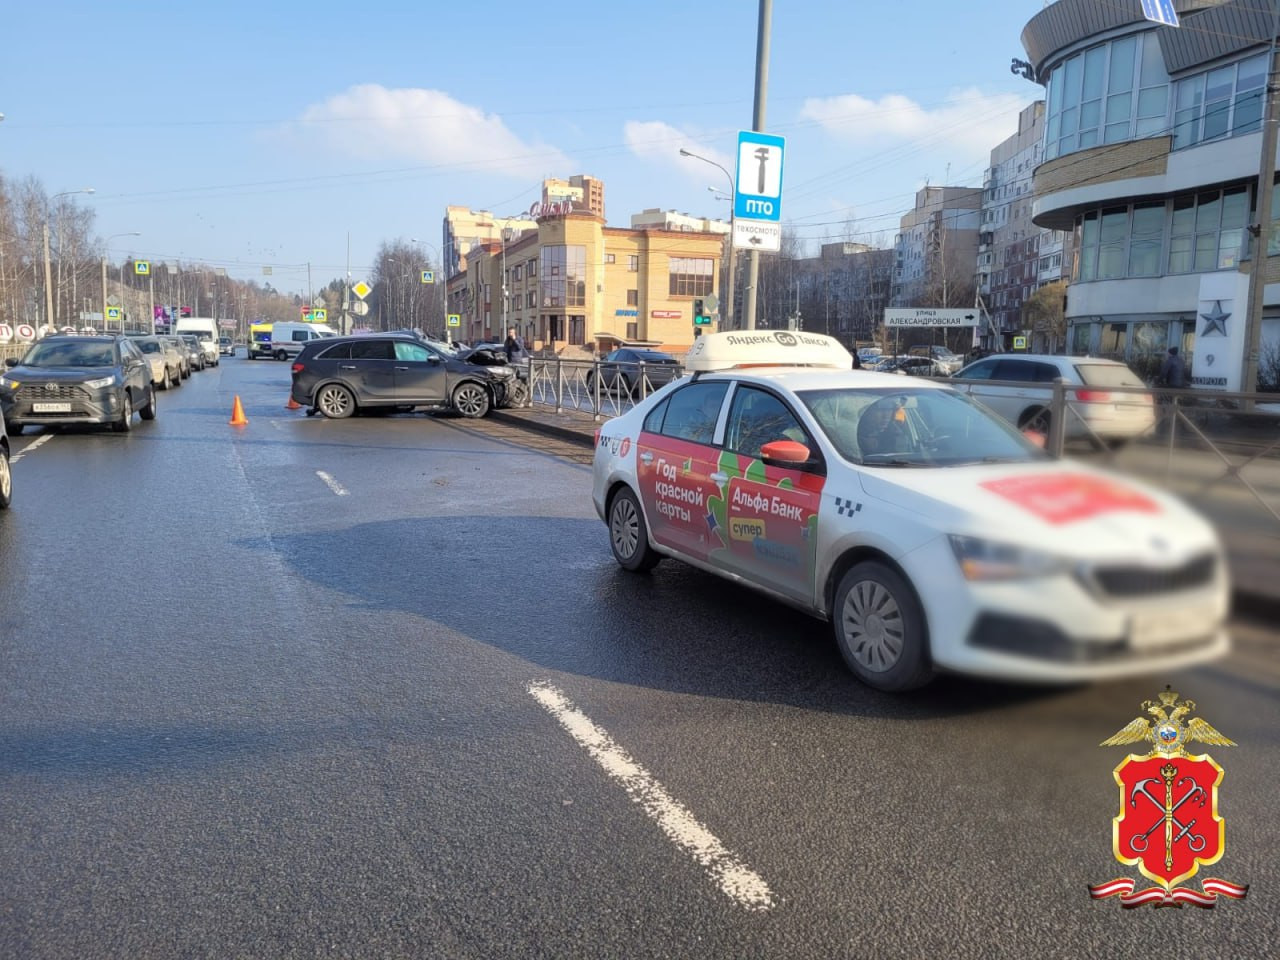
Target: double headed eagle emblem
{"x": 1168, "y": 734}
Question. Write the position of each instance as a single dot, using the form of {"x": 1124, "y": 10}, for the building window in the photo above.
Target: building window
{"x": 633, "y": 298}
{"x": 610, "y": 258}
{"x": 531, "y": 298}
{"x": 533, "y": 268}
{"x": 519, "y": 271}
{"x": 1225, "y": 101}
{"x": 556, "y": 327}
{"x": 564, "y": 269}
{"x": 1109, "y": 93}
{"x": 633, "y": 263}
{"x": 633, "y": 330}
{"x": 690, "y": 276}
{"x": 577, "y": 331}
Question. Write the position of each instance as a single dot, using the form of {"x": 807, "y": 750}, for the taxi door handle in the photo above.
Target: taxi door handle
{"x": 719, "y": 477}
{"x": 646, "y": 458}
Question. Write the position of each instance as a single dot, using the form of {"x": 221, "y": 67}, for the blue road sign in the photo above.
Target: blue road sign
{"x": 1161, "y": 11}
{"x": 759, "y": 180}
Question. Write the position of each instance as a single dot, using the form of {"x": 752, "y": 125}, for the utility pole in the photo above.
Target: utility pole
{"x": 1262, "y": 232}
{"x": 757, "y": 125}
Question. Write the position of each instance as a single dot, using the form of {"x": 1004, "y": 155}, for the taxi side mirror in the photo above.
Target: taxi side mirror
{"x": 785, "y": 453}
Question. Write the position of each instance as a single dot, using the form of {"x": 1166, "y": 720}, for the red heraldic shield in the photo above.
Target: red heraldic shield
{"x": 1168, "y": 824}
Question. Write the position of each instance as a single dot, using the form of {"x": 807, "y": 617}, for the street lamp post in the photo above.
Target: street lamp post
{"x": 106, "y": 251}
{"x": 48, "y": 272}
{"x": 731, "y": 256}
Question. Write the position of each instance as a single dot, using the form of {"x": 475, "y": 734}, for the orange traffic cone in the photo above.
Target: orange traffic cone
{"x": 238, "y": 419}
{"x": 292, "y": 404}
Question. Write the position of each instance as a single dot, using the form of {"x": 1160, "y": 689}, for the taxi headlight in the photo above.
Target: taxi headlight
{"x": 988, "y": 560}
{"x": 100, "y": 383}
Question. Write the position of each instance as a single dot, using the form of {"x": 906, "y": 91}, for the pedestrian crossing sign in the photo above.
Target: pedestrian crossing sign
{"x": 428, "y": 276}
{"x": 454, "y": 320}
{"x": 142, "y": 267}
{"x": 113, "y": 313}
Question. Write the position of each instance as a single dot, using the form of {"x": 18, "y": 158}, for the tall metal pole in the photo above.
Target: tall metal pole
{"x": 48, "y": 285}
{"x": 1262, "y": 241}
{"x": 757, "y": 124}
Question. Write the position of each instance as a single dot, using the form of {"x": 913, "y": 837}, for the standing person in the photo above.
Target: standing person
{"x": 1173, "y": 373}
{"x": 857, "y": 360}
{"x": 514, "y": 346}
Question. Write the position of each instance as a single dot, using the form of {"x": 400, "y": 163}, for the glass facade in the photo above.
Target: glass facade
{"x": 1110, "y": 93}
{"x": 1224, "y": 101}
{"x": 563, "y": 280}
{"x": 1190, "y": 233}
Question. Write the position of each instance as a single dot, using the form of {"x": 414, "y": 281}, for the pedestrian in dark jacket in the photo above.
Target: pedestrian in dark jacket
{"x": 1173, "y": 373}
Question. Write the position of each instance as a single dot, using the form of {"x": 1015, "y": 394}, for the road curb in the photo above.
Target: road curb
{"x": 574, "y": 430}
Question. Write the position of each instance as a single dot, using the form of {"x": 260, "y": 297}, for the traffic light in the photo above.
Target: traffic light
{"x": 701, "y": 317}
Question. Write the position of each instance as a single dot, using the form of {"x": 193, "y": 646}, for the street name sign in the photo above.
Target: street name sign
{"x": 758, "y": 186}
{"x": 931, "y": 317}
{"x": 757, "y": 235}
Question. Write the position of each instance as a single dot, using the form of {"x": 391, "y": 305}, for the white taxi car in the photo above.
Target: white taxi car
{"x": 929, "y": 531}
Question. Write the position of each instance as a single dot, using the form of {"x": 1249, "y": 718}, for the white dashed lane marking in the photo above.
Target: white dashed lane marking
{"x": 332, "y": 484}
{"x": 736, "y": 879}
{"x": 38, "y": 441}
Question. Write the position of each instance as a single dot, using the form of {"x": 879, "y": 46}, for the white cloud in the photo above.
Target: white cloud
{"x": 426, "y": 126}
{"x": 968, "y": 122}
{"x": 658, "y": 142}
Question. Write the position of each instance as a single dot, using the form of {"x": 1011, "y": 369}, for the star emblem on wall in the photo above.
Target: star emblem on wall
{"x": 1215, "y": 320}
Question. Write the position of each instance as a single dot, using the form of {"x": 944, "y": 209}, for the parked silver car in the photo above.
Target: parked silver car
{"x": 1019, "y": 387}
{"x": 165, "y": 360}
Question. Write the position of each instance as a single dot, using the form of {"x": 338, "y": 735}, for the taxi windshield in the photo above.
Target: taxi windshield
{"x": 896, "y": 427}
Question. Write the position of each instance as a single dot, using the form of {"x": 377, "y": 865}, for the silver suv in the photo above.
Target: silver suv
{"x": 1019, "y": 387}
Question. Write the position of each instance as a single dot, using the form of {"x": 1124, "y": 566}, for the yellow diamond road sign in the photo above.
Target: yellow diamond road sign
{"x": 361, "y": 289}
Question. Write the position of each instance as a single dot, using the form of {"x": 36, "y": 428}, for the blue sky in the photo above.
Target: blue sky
{"x": 245, "y": 135}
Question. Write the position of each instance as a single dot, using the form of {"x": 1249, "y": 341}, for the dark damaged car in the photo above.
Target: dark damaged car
{"x": 340, "y": 376}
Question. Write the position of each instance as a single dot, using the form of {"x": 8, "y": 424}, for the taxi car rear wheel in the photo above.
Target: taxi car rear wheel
{"x": 629, "y": 535}
{"x": 879, "y": 628}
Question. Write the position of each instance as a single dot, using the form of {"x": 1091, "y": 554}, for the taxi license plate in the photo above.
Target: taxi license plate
{"x": 51, "y": 408}
{"x": 1162, "y": 628}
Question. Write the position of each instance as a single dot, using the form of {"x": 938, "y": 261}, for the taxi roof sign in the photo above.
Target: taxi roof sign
{"x": 754, "y": 348}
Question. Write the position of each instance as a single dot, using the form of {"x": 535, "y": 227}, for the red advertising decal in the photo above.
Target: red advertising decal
{"x": 665, "y": 314}
{"x": 1067, "y": 497}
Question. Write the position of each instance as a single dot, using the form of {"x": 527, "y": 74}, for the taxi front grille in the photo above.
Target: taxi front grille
{"x": 1136, "y": 581}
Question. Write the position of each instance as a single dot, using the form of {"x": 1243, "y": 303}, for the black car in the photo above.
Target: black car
{"x": 77, "y": 380}
{"x": 495, "y": 355}
{"x": 631, "y": 369}
{"x": 337, "y": 376}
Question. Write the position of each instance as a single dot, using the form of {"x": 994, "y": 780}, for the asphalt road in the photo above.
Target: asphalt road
{"x": 375, "y": 688}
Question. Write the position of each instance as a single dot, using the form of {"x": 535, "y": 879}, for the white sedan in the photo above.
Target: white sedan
{"x": 929, "y": 531}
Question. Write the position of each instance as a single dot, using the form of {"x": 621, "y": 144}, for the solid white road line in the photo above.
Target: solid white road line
{"x": 30, "y": 446}
{"x": 332, "y": 484}
{"x": 736, "y": 879}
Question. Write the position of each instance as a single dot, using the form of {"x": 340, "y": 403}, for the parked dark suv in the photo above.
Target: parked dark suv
{"x": 77, "y": 380}
{"x": 337, "y": 376}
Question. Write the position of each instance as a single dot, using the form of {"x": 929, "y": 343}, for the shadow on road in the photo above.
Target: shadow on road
{"x": 561, "y": 602}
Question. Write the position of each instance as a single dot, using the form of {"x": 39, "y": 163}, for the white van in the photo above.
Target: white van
{"x": 206, "y": 331}
{"x": 287, "y": 339}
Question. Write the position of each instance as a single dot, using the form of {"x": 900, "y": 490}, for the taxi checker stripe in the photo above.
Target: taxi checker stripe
{"x": 846, "y": 507}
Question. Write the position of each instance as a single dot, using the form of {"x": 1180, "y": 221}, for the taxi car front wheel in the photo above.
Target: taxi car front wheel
{"x": 879, "y": 628}
{"x": 629, "y": 535}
